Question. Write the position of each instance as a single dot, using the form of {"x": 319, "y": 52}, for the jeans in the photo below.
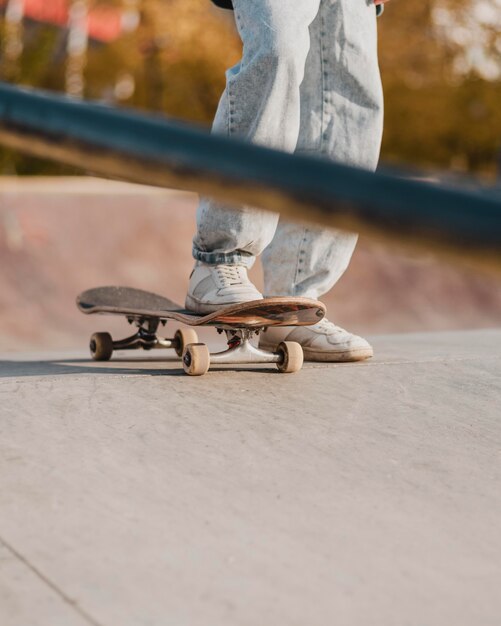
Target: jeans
{"x": 308, "y": 82}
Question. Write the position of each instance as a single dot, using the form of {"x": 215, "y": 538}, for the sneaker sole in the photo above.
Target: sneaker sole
{"x": 193, "y": 305}
{"x": 345, "y": 356}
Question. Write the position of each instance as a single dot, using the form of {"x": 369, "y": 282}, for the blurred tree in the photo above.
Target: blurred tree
{"x": 440, "y": 111}
{"x": 176, "y": 58}
{"x": 173, "y": 62}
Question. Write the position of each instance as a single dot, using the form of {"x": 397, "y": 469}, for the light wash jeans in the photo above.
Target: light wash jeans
{"x": 308, "y": 82}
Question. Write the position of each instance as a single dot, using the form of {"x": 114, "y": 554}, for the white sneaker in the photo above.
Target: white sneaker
{"x": 321, "y": 342}
{"x": 214, "y": 286}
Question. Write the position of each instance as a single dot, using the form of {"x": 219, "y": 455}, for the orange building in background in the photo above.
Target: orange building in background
{"x": 104, "y": 24}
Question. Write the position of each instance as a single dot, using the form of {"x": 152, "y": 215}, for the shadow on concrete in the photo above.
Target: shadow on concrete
{"x": 58, "y": 367}
{"x": 120, "y": 367}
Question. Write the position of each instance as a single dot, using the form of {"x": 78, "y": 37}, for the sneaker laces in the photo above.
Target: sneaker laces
{"x": 229, "y": 274}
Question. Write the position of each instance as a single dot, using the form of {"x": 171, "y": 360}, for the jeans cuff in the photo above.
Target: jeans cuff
{"x": 223, "y": 258}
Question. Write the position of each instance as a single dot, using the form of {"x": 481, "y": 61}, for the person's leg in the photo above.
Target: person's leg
{"x": 341, "y": 119}
{"x": 261, "y": 103}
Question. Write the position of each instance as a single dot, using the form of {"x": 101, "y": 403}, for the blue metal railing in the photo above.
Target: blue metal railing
{"x": 141, "y": 148}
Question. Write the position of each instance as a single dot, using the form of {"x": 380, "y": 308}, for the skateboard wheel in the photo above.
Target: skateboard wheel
{"x": 182, "y": 338}
{"x": 196, "y": 359}
{"x": 101, "y": 346}
{"x": 291, "y": 357}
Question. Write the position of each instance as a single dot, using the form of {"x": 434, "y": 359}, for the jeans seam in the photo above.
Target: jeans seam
{"x": 300, "y": 260}
{"x": 231, "y": 110}
{"x": 323, "y": 68}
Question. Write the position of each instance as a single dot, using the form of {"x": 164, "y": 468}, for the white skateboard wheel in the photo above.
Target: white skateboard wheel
{"x": 196, "y": 359}
{"x": 292, "y": 357}
{"x": 101, "y": 346}
{"x": 182, "y": 338}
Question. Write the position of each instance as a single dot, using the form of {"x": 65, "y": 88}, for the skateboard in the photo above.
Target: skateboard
{"x": 148, "y": 311}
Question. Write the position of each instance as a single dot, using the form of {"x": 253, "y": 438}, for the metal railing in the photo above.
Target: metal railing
{"x": 461, "y": 222}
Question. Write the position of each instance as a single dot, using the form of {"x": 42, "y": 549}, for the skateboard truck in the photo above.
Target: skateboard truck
{"x": 196, "y": 356}
{"x": 197, "y": 359}
{"x": 102, "y": 345}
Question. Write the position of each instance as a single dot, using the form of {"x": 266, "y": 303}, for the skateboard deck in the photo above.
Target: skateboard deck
{"x": 239, "y": 321}
{"x": 279, "y": 311}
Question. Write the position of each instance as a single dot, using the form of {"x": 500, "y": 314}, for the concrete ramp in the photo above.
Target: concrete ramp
{"x": 364, "y": 494}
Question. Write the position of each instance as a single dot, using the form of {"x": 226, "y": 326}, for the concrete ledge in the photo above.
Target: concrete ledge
{"x": 84, "y": 185}
{"x": 347, "y": 494}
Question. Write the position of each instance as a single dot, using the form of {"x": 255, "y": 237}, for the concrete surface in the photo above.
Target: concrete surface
{"x": 346, "y": 494}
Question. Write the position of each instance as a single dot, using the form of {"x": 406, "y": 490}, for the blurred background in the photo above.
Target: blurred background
{"x": 62, "y": 231}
